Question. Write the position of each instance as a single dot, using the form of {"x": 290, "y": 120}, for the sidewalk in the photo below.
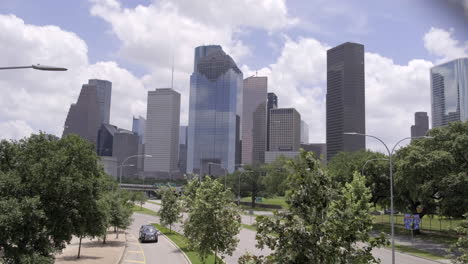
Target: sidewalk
{"x": 94, "y": 251}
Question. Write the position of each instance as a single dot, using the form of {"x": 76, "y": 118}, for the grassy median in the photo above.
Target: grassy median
{"x": 142, "y": 210}
{"x": 182, "y": 243}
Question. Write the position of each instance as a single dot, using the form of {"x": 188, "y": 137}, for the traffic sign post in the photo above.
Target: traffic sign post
{"x": 412, "y": 222}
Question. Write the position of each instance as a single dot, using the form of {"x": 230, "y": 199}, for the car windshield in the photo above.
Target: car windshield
{"x": 150, "y": 229}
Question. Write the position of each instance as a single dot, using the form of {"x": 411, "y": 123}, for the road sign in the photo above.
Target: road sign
{"x": 412, "y": 221}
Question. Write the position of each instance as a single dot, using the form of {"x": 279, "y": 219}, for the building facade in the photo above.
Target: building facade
{"x": 105, "y": 140}
{"x": 345, "y": 98}
{"x": 272, "y": 103}
{"x": 449, "y": 92}
{"x": 271, "y": 156}
{"x": 285, "y": 129}
{"x": 91, "y": 110}
{"x": 215, "y": 111}
{"x": 162, "y": 131}
{"x": 125, "y": 145}
{"x": 421, "y": 124}
{"x": 304, "y": 132}
{"x": 254, "y": 120}
{"x": 183, "y": 149}
{"x": 139, "y": 127}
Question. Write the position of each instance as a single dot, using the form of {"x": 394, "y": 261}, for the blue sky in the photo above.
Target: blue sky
{"x": 131, "y": 43}
{"x": 390, "y": 28}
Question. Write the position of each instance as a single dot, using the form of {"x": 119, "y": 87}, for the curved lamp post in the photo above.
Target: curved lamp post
{"x": 367, "y": 161}
{"x": 35, "y": 67}
{"x": 125, "y": 160}
{"x": 390, "y": 153}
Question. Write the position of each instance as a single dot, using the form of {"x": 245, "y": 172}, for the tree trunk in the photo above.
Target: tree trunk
{"x": 170, "y": 228}
{"x": 253, "y": 200}
{"x": 79, "y": 248}
{"x": 104, "y": 238}
{"x": 117, "y": 233}
{"x": 216, "y": 253}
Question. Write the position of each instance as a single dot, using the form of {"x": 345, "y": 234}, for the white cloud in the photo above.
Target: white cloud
{"x": 16, "y": 129}
{"x": 441, "y": 43}
{"x": 38, "y": 100}
{"x": 393, "y": 92}
{"x": 151, "y": 35}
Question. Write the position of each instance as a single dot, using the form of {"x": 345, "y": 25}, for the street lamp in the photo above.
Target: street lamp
{"x": 35, "y": 67}
{"x": 390, "y": 153}
{"x": 125, "y": 160}
{"x": 367, "y": 161}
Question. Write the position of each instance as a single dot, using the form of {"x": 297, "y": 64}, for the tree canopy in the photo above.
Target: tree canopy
{"x": 432, "y": 174}
{"x": 49, "y": 191}
{"x": 323, "y": 224}
{"x": 213, "y": 219}
{"x": 171, "y": 207}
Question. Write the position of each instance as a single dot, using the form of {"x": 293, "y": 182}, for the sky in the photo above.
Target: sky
{"x": 132, "y": 43}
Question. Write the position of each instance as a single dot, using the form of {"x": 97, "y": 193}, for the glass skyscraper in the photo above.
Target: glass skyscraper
{"x": 449, "y": 92}
{"x": 215, "y": 111}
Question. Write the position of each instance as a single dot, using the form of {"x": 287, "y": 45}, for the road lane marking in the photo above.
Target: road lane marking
{"x": 135, "y": 251}
{"x": 135, "y": 261}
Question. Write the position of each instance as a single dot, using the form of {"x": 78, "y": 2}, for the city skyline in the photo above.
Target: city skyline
{"x": 299, "y": 87}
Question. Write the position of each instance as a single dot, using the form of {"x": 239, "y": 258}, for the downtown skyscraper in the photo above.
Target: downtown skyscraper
{"x": 92, "y": 109}
{"x": 215, "y": 111}
{"x": 272, "y": 103}
{"x": 162, "y": 131}
{"x": 254, "y": 127}
{"x": 345, "y": 98}
{"x": 449, "y": 92}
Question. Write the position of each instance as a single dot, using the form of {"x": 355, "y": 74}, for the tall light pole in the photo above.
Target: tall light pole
{"x": 35, "y": 67}
{"x": 367, "y": 161}
{"x": 390, "y": 153}
{"x": 125, "y": 160}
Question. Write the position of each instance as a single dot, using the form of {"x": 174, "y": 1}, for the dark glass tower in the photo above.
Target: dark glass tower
{"x": 345, "y": 98}
{"x": 215, "y": 111}
{"x": 272, "y": 103}
{"x": 421, "y": 124}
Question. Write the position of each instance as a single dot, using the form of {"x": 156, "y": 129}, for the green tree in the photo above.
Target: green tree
{"x": 460, "y": 248}
{"x": 343, "y": 165}
{"x": 171, "y": 208}
{"x": 120, "y": 210}
{"x": 140, "y": 198}
{"x": 213, "y": 219}
{"x": 276, "y": 174}
{"x": 56, "y": 184}
{"x": 432, "y": 174}
{"x": 252, "y": 178}
{"x": 323, "y": 224}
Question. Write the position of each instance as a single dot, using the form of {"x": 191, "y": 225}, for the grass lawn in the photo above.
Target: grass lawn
{"x": 251, "y": 227}
{"x": 418, "y": 252}
{"x": 181, "y": 242}
{"x": 142, "y": 210}
{"x": 274, "y": 200}
{"x": 433, "y": 223}
{"x": 153, "y": 202}
{"x": 437, "y": 237}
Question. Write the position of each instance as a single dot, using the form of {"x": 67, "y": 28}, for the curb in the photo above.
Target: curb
{"x": 175, "y": 245}
{"x": 416, "y": 256}
{"x": 123, "y": 251}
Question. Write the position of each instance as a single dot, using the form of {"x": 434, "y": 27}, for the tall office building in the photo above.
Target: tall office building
{"x": 421, "y": 124}
{"x": 285, "y": 129}
{"x": 345, "y": 98}
{"x": 272, "y": 103}
{"x": 105, "y": 140}
{"x": 215, "y": 111}
{"x": 139, "y": 127}
{"x": 304, "y": 132}
{"x": 254, "y": 120}
{"x": 104, "y": 90}
{"x": 449, "y": 92}
{"x": 162, "y": 131}
{"x": 125, "y": 145}
{"x": 90, "y": 111}
{"x": 183, "y": 149}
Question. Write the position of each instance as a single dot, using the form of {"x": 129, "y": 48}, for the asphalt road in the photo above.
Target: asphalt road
{"x": 145, "y": 253}
{"x": 247, "y": 244}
